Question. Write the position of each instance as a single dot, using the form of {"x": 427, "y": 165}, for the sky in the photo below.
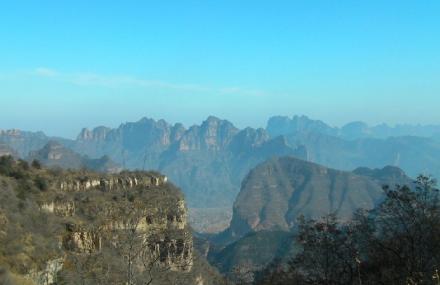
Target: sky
{"x": 65, "y": 65}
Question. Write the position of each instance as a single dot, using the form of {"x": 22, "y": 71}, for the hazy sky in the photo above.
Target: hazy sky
{"x": 65, "y": 65}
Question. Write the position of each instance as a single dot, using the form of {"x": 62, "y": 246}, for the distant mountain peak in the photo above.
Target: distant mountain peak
{"x": 98, "y": 133}
{"x": 215, "y": 121}
{"x": 283, "y": 125}
{"x": 212, "y": 119}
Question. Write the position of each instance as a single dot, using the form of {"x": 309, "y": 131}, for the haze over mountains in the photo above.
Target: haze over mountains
{"x": 282, "y": 125}
{"x": 276, "y": 193}
{"x": 294, "y": 167}
{"x": 209, "y": 161}
{"x": 57, "y": 155}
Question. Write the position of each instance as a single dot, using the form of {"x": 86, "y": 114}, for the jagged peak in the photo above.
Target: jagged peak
{"x": 148, "y": 120}
{"x": 212, "y": 120}
{"x": 99, "y": 132}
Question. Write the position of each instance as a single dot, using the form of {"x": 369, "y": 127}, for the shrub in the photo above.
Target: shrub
{"x": 41, "y": 183}
{"x": 36, "y": 164}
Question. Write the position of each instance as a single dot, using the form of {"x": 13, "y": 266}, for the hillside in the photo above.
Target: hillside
{"x": 278, "y": 191}
{"x": 81, "y": 226}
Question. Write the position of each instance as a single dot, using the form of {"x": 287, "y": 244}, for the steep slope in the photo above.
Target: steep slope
{"x": 56, "y": 154}
{"x": 278, "y": 191}
{"x": 90, "y": 228}
{"x": 252, "y": 252}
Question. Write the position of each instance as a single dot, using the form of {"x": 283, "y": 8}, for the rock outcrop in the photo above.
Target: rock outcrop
{"x": 75, "y": 223}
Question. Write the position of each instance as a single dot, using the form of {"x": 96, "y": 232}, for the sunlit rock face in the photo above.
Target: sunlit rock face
{"x": 163, "y": 226}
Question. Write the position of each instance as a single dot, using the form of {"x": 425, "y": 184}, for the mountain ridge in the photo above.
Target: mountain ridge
{"x": 209, "y": 160}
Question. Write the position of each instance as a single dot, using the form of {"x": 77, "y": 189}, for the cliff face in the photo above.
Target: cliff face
{"x": 132, "y": 224}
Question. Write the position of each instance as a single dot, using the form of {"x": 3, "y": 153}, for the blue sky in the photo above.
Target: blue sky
{"x": 65, "y": 65}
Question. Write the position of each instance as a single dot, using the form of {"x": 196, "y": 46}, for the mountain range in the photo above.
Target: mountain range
{"x": 283, "y": 125}
{"x": 210, "y": 160}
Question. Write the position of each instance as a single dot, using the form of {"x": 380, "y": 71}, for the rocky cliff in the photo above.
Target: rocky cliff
{"x": 84, "y": 227}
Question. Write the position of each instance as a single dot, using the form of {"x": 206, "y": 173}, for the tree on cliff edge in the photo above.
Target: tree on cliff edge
{"x": 398, "y": 242}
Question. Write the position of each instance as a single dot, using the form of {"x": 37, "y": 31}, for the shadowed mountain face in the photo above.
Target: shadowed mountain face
{"x": 55, "y": 154}
{"x": 278, "y": 191}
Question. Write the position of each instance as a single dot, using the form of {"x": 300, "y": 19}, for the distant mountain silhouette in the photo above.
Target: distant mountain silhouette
{"x": 23, "y": 142}
{"x": 55, "y": 154}
{"x": 283, "y": 125}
